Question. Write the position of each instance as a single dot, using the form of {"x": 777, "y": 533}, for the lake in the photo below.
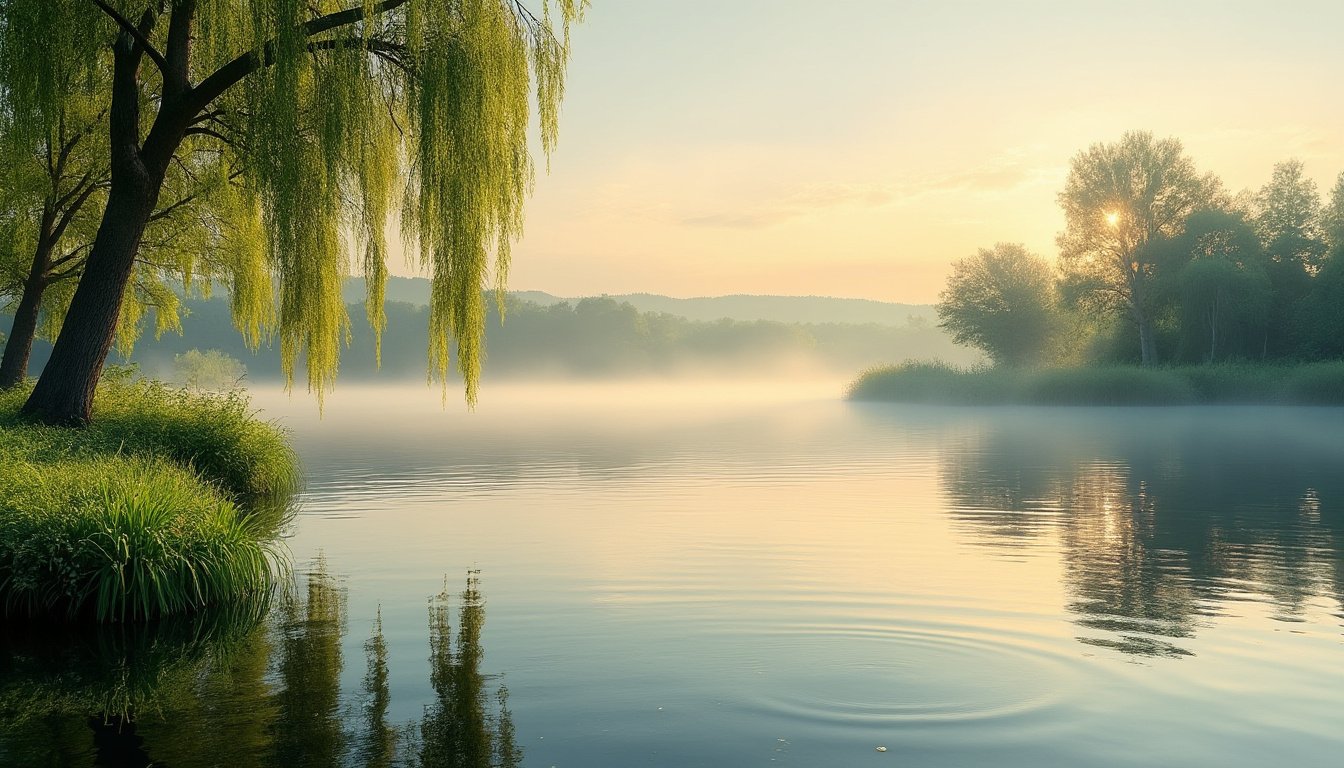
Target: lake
{"x": 708, "y": 574}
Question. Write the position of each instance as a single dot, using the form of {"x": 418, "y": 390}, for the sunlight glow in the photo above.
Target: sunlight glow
{"x": 1113, "y": 219}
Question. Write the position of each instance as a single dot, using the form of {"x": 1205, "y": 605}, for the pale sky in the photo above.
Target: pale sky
{"x": 849, "y": 148}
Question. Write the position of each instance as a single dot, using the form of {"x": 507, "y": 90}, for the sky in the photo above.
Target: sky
{"x": 858, "y": 149}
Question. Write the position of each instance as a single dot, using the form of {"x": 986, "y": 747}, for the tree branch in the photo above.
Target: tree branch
{"x": 392, "y": 53}
{"x": 71, "y": 211}
{"x": 201, "y": 131}
{"x": 135, "y": 32}
{"x": 245, "y": 64}
{"x": 175, "y": 76}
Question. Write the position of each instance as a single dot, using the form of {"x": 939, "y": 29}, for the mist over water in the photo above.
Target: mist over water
{"x": 734, "y": 572}
{"x": 738, "y": 572}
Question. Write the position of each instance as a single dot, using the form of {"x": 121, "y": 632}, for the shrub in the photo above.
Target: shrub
{"x": 120, "y": 538}
{"x": 1316, "y": 384}
{"x": 166, "y": 504}
{"x": 1115, "y": 385}
{"x": 934, "y": 383}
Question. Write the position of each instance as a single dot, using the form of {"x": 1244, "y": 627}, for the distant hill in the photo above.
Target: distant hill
{"x": 638, "y": 334}
{"x": 780, "y": 309}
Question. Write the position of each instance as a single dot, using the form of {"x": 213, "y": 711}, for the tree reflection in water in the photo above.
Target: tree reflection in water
{"x": 1160, "y": 522}
{"x": 248, "y": 688}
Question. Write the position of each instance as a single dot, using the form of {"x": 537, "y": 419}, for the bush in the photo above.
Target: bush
{"x": 934, "y": 383}
{"x": 1237, "y": 382}
{"x": 152, "y": 510}
{"x": 1316, "y": 383}
{"x": 1116, "y": 385}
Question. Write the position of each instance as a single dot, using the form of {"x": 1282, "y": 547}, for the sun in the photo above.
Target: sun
{"x": 1113, "y": 218}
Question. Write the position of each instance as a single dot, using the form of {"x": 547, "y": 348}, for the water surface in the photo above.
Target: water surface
{"x": 687, "y": 574}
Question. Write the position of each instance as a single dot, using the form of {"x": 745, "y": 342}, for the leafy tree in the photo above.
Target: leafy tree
{"x": 50, "y": 198}
{"x": 324, "y": 108}
{"x": 1289, "y": 222}
{"x": 1224, "y": 291}
{"x": 46, "y": 192}
{"x": 1001, "y": 301}
{"x": 1332, "y": 217}
{"x": 209, "y": 370}
{"x": 1118, "y": 198}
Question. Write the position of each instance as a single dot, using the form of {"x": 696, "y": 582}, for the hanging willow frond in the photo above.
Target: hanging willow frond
{"x": 314, "y": 122}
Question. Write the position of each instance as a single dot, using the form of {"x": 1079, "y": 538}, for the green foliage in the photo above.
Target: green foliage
{"x": 1117, "y": 199}
{"x": 215, "y": 435}
{"x": 936, "y": 383}
{"x": 1115, "y": 385}
{"x": 1239, "y": 383}
{"x": 140, "y": 515}
{"x": 1332, "y": 216}
{"x": 120, "y": 538}
{"x": 1316, "y": 384}
{"x": 324, "y": 109}
{"x": 53, "y": 187}
{"x": 1002, "y": 302}
{"x": 211, "y": 370}
{"x": 1289, "y": 216}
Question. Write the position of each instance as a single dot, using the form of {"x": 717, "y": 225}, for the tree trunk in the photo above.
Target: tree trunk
{"x": 64, "y": 392}
{"x": 14, "y": 365}
{"x": 1147, "y": 342}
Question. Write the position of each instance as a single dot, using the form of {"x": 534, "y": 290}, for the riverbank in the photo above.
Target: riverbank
{"x": 167, "y": 503}
{"x": 941, "y": 384}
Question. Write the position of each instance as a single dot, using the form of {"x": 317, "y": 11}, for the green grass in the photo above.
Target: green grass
{"x": 937, "y": 383}
{"x": 165, "y": 505}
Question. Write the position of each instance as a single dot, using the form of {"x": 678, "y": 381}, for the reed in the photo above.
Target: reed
{"x": 167, "y": 504}
{"x": 1224, "y": 383}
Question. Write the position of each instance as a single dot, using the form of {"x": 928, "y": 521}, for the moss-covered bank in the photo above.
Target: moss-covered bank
{"x": 168, "y": 503}
{"x": 937, "y": 383}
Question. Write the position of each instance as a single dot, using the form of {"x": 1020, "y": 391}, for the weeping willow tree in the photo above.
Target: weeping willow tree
{"x": 336, "y": 114}
{"x": 51, "y": 197}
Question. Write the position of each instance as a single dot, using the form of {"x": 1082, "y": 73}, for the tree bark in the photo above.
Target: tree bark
{"x": 1147, "y": 342}
{"x": 14, "y": 365}
{"x": 64, "y": 392}
{"x": 19, "y": 345}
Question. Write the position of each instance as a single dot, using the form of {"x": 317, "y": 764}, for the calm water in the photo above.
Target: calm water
{"x": 713, "y": 576}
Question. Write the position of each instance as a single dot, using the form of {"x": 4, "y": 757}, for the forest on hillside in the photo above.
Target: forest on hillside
{"x": 590, "y": 337}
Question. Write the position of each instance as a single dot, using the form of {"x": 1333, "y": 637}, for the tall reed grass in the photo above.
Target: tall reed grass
{"x": 167, "y": 504}
{"x": 1230, "y": 383}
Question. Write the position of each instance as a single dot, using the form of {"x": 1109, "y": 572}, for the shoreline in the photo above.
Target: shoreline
{"x": 168, "y": 503}
{"x": 935, "y": 383}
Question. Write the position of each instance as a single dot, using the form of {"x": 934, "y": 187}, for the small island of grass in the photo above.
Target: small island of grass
{"x": 167, "y": 503}
{"x": 1229, "y": 383}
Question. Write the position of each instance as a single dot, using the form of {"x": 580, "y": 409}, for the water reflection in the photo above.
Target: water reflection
{"x": 1161, "y": 523}
{"x": 249, "y": 689}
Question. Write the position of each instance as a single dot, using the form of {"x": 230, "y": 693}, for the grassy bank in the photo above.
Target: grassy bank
{"x": 937, "y": 383}
{"x": 165, "y": 505}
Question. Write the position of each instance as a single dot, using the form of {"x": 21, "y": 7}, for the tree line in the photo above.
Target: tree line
{"x": 590, "y": 337}
{"x": 1159, "y": 263}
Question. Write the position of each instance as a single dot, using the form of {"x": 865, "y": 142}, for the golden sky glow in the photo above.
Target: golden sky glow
{"x": 857, "y": 149}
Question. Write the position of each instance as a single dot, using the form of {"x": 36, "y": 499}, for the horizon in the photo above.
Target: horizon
{"x": 867, "y": 167}
{"x": 554, "y": 294}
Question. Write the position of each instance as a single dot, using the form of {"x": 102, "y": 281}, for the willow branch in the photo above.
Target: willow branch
{"x": 245, "y": 64}
{"x": 135, "y": 32}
